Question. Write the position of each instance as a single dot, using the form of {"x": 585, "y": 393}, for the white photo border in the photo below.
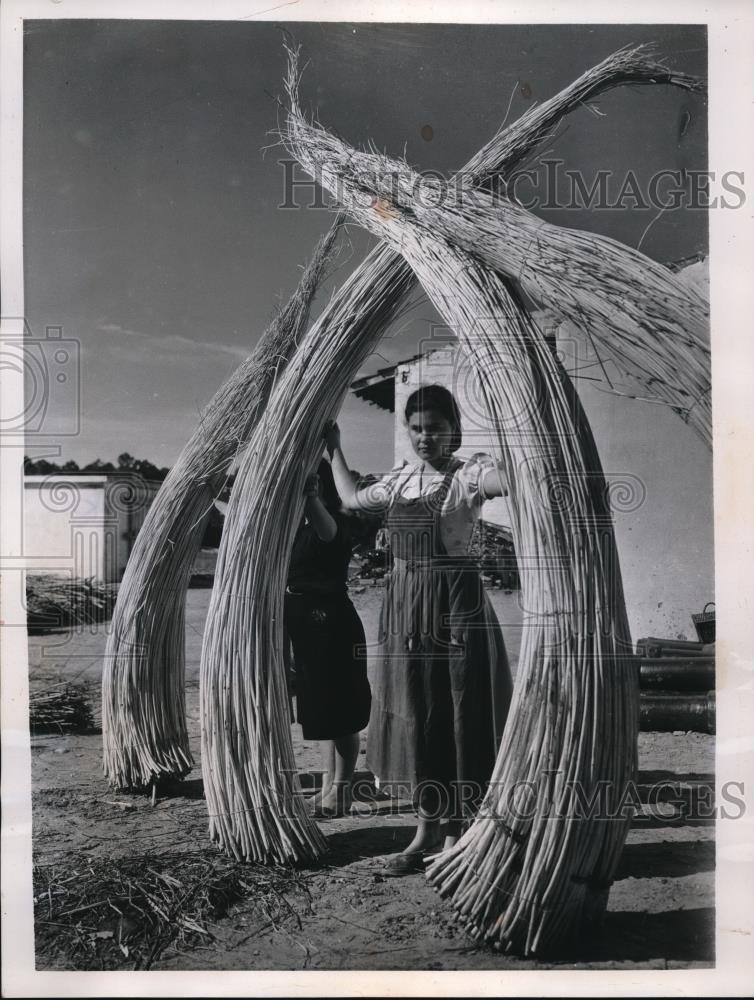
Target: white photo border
{"x": 731, "y": 97}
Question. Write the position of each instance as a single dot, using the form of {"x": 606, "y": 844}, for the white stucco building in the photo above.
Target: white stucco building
{"x": 82, "y": 525}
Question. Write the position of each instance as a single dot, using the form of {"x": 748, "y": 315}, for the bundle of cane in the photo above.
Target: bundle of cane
{"x": 535, "y": 864}
{"x": 526, "y": 873}
{"x": 143, "y": 711}
{"x": 254, "y": 797}
{"x": 345, "y": 334}
{"x": 652, "y": 325}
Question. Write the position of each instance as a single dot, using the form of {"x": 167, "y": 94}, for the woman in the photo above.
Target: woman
{"x": 327, "y": 638}
{"x": 442, "y": 685}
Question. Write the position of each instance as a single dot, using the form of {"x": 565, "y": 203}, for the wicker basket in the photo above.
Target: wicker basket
{"x": 704, "y": 623}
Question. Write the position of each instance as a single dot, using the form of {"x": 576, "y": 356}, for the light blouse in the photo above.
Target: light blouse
{"x": 463, "y": 504}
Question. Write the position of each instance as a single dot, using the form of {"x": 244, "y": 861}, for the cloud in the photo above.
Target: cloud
{"x": 118, "y": 329}
{"x": 174, "y": 344}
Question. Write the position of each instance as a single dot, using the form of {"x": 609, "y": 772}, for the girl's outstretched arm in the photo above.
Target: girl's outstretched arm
{"x": 373, "y": 498}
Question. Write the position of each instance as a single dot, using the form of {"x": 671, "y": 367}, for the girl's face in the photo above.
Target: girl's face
{"x": 430, "y": 433}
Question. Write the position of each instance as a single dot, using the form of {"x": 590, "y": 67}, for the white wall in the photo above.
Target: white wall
{"x": 65, "y": 531}
{"x": 666, "y": 542}
{"x": 665, "y": 539}
{"x": 127, "y": 499}
{"x": 83, "y": 526}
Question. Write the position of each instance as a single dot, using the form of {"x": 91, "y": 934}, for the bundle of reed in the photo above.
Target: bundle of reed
{"x": 65, "y": 708}
{"x": 652, "y": 325}
{"x": 256, "y": 806}
{"x": 127, "y": 912}
{"x": 240, "y": 662}
{"x": 143, "y": 710}
{"x": 54, "y": 602}
{"x": 526, "y": 875}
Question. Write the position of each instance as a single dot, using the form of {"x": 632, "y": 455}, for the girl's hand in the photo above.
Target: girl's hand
{"x": 331, "y": 434}
{"x": 311, "y": 485}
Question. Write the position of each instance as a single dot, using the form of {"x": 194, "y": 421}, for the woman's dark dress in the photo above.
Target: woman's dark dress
{"x": 329, "y": 647}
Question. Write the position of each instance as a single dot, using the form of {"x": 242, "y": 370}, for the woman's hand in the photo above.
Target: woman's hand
{"x": 493, "y": 483}
{"x": 311, "y": 485}
{"x": 331, "y": 434}
{"x": 350, "y": 497}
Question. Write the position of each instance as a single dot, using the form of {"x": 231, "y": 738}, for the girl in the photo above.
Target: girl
{"x": 327, "y": 638}
{"x": 442, "y": 684}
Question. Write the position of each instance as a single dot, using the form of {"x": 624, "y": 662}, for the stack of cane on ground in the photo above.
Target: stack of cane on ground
{"x": 526, "y": 872}
{"x": 677, "y": 680}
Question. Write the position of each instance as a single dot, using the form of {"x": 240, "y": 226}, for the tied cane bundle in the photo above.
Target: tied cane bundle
{"x": 242, "y": 696}
{"x": 524, "y": 876}
{"x": 143, "y": 712}
{"x": 251, "y": 783}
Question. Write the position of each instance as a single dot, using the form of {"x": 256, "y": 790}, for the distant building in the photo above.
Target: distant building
{"x": 84, "y": 525}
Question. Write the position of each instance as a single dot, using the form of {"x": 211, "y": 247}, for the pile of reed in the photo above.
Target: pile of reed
{"x": 143, "y": 707}
{"x": 57, "y": 602}
{"x": 522, "y": 878}
{"x": 248, "y": 783}
{"x": 529, "y": 873}
{"x": 65, "y": 708}
{"x": 126, "y": 913}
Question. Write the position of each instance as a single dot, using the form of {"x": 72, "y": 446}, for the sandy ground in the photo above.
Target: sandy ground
{"x": 660, "y": 912}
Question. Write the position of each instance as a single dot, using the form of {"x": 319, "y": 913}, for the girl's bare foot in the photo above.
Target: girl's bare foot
{"x": 322, "y": 792}
{"x": 336, "y": 801}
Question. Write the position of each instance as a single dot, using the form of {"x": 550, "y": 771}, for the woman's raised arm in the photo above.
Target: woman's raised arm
{"x": 372, "y": 499}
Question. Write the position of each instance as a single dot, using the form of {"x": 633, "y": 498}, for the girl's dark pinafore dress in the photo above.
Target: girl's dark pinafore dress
{"x": 327, "y": 637}
{"x": 442, "y": 685}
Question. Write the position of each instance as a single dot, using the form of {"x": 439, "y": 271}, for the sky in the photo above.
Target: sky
{"x": 153, "y": 232}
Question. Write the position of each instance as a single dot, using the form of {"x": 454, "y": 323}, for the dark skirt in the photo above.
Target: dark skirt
{"x": 442, "y": 685}
{"x": 329, "y": 664}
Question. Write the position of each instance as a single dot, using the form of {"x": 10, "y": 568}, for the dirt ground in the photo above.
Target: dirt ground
{"x": 660, "y": 912}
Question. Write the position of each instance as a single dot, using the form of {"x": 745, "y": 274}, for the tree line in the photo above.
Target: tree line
{"x": 126, "y": 463}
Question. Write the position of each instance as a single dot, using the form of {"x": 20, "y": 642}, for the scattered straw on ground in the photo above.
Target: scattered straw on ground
{"x": 65, "y": 708}
{"x": 55, "y": 602}
{"x": 125, "y": 913}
